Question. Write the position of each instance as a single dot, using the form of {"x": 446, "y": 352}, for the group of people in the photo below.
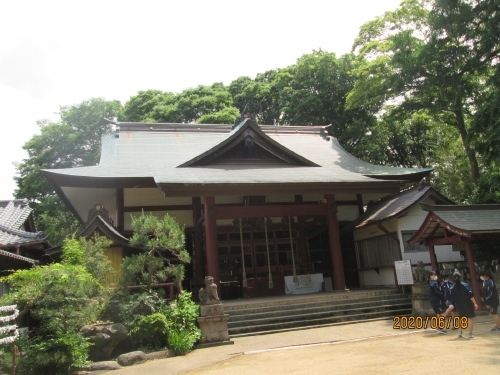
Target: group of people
{"x": 456, "y": 298}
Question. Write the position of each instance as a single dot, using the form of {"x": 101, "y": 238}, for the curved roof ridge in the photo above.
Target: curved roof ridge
{"x": 234, "y": 135}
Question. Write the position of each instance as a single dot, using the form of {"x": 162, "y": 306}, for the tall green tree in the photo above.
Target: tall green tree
{"x": 310, "y": 92}
{"x": 74, "y": 141}
{"x": 163, "y": 242}
{"x": 315, "y": 94}
{"x": 147, "y": 105}
{"x": 430, "y": 55}
{"x": 207, "y": 104}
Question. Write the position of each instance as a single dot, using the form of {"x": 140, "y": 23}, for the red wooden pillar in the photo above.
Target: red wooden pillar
{"x": 120, "y": 202}
{"x": 211, "y": 240}
{"x": 199, "y": 264}
{"x": 335, "y": 250}
{"x": 432, "y": 254}
{"x": 472, "y": 270}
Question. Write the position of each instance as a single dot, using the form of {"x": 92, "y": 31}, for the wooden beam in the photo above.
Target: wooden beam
{"x": 120, "y": 201}
{"x": 188, "y": 207}
{"x": 443, "y": 240}
{"x": 199, "y": 258}
{"x": 212, "y": 255}
{"x": 334, "y": 242}
{"x": 386, "y": 231}
{"x": 359, "y": 201}
{"x": 238, "y": 189}
{"x": 235, "y": 212}
{"x": 172, "y": 207}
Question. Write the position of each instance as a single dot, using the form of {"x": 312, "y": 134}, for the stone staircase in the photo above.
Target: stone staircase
{"x": 276, "y": 314}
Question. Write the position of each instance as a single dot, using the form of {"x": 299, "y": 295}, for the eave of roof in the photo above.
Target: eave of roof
{"x": 18, "y": 257}
{"x": 98, "y": 223}
{"x": 13, "y": 237}
{"x": 395, "y": 205}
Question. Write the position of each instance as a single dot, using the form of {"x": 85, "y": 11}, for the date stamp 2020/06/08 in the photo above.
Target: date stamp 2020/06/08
{"x": 424, "y": 322}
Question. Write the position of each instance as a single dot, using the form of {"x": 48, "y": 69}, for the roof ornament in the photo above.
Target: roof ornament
{"x": 245, "y": 114}
{"x": 100, "y": 210}
{"x": 423, "y": 183}
{"x": 324, "y": 132}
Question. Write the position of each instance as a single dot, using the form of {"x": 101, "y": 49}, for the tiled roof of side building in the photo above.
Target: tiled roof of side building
{"x": 12, "y": 237}
{"x": 397, "y": 204}
{"x": 472, "y": 218}
{"x": 14, "y": 213}
{"x": 7, "y": 254}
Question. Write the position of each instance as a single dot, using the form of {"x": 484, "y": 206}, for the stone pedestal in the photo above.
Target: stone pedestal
{"x": 420, "y": 300}
{"x": 213, "y": 325}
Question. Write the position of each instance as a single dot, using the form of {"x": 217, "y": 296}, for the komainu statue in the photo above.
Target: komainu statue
{"x": 208, "y": 295}
{"x": 421, "y": 273}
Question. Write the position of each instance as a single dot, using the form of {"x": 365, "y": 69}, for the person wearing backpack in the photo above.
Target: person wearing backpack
{"x": 464, "y": 302}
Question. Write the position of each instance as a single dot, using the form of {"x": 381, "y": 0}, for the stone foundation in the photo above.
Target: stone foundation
{"x": 213, "y": 325}
{"x": 420, "y": 300}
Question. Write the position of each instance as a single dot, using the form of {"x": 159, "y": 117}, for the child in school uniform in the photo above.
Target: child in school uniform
{"x": 490, "y": 298}
{"x": 446, "y": 287}
{"x": 464, "y": 302}
{"x": 436, "y": 297}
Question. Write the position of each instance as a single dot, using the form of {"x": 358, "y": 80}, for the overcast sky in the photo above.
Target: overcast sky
{"x": 57, "y": 53}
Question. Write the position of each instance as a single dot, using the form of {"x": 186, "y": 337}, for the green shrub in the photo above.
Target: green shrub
{"x": 58, "y": 354}
{"x": 183, "y": 332}
{"x": 5, "y": 359}
{"x": 181, "y": 342}
{"x": 127, "y": 308}
{"x": 150, "y": 331}
{"x": 60, "y": 297}
{"x": 182, "y": 314}
{"x": 89, "y": 253}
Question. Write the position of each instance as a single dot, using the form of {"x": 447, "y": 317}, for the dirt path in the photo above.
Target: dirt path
{"x": 362, "y": 348}
{"x": 419, "y": 353}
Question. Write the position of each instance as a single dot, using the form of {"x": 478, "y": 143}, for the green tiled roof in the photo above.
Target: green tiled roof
{"x": 158, "y": 150}
{"x": 472, "y": 218}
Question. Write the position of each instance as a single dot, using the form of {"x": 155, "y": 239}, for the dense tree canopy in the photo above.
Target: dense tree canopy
{"x": 74, "y": 141}
{"x": 435, "y": 56}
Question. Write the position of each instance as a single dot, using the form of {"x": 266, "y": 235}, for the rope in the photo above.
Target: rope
{"x": 271, "y": 284}
{"x": 245, "y": 284}
{"x": 291, "y": 246}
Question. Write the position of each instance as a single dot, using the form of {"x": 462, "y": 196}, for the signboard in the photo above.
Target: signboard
{"x": 305, "y": 284}
{"x": 404, "y": 273}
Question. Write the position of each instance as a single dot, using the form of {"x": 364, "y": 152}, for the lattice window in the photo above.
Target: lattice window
{"x": 414, "y": 248}
{"x": 242, "y": 152}
{"x": 377, "y": 252}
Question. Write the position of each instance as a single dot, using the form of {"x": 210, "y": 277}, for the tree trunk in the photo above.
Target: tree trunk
{"x": 474, "y": 166}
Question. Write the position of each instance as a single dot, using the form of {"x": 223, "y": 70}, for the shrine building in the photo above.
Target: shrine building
{"x": 259, "y": 203}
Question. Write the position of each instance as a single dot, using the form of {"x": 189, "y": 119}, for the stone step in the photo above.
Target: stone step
{"x": 331, "y": 304}
{"x": 303, "y": 316}
{"x": 255, "y": 316}
{"x": 310, "y": 323}
{"x": 298, "y": 328}
{"x": 308, "y": 308}
{"x": 245, "y": 305}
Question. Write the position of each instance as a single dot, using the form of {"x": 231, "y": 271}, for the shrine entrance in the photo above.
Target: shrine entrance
{"x": 260, "y": 265}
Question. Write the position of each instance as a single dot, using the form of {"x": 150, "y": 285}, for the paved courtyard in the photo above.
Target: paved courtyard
{"x": 346, "y": 349}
